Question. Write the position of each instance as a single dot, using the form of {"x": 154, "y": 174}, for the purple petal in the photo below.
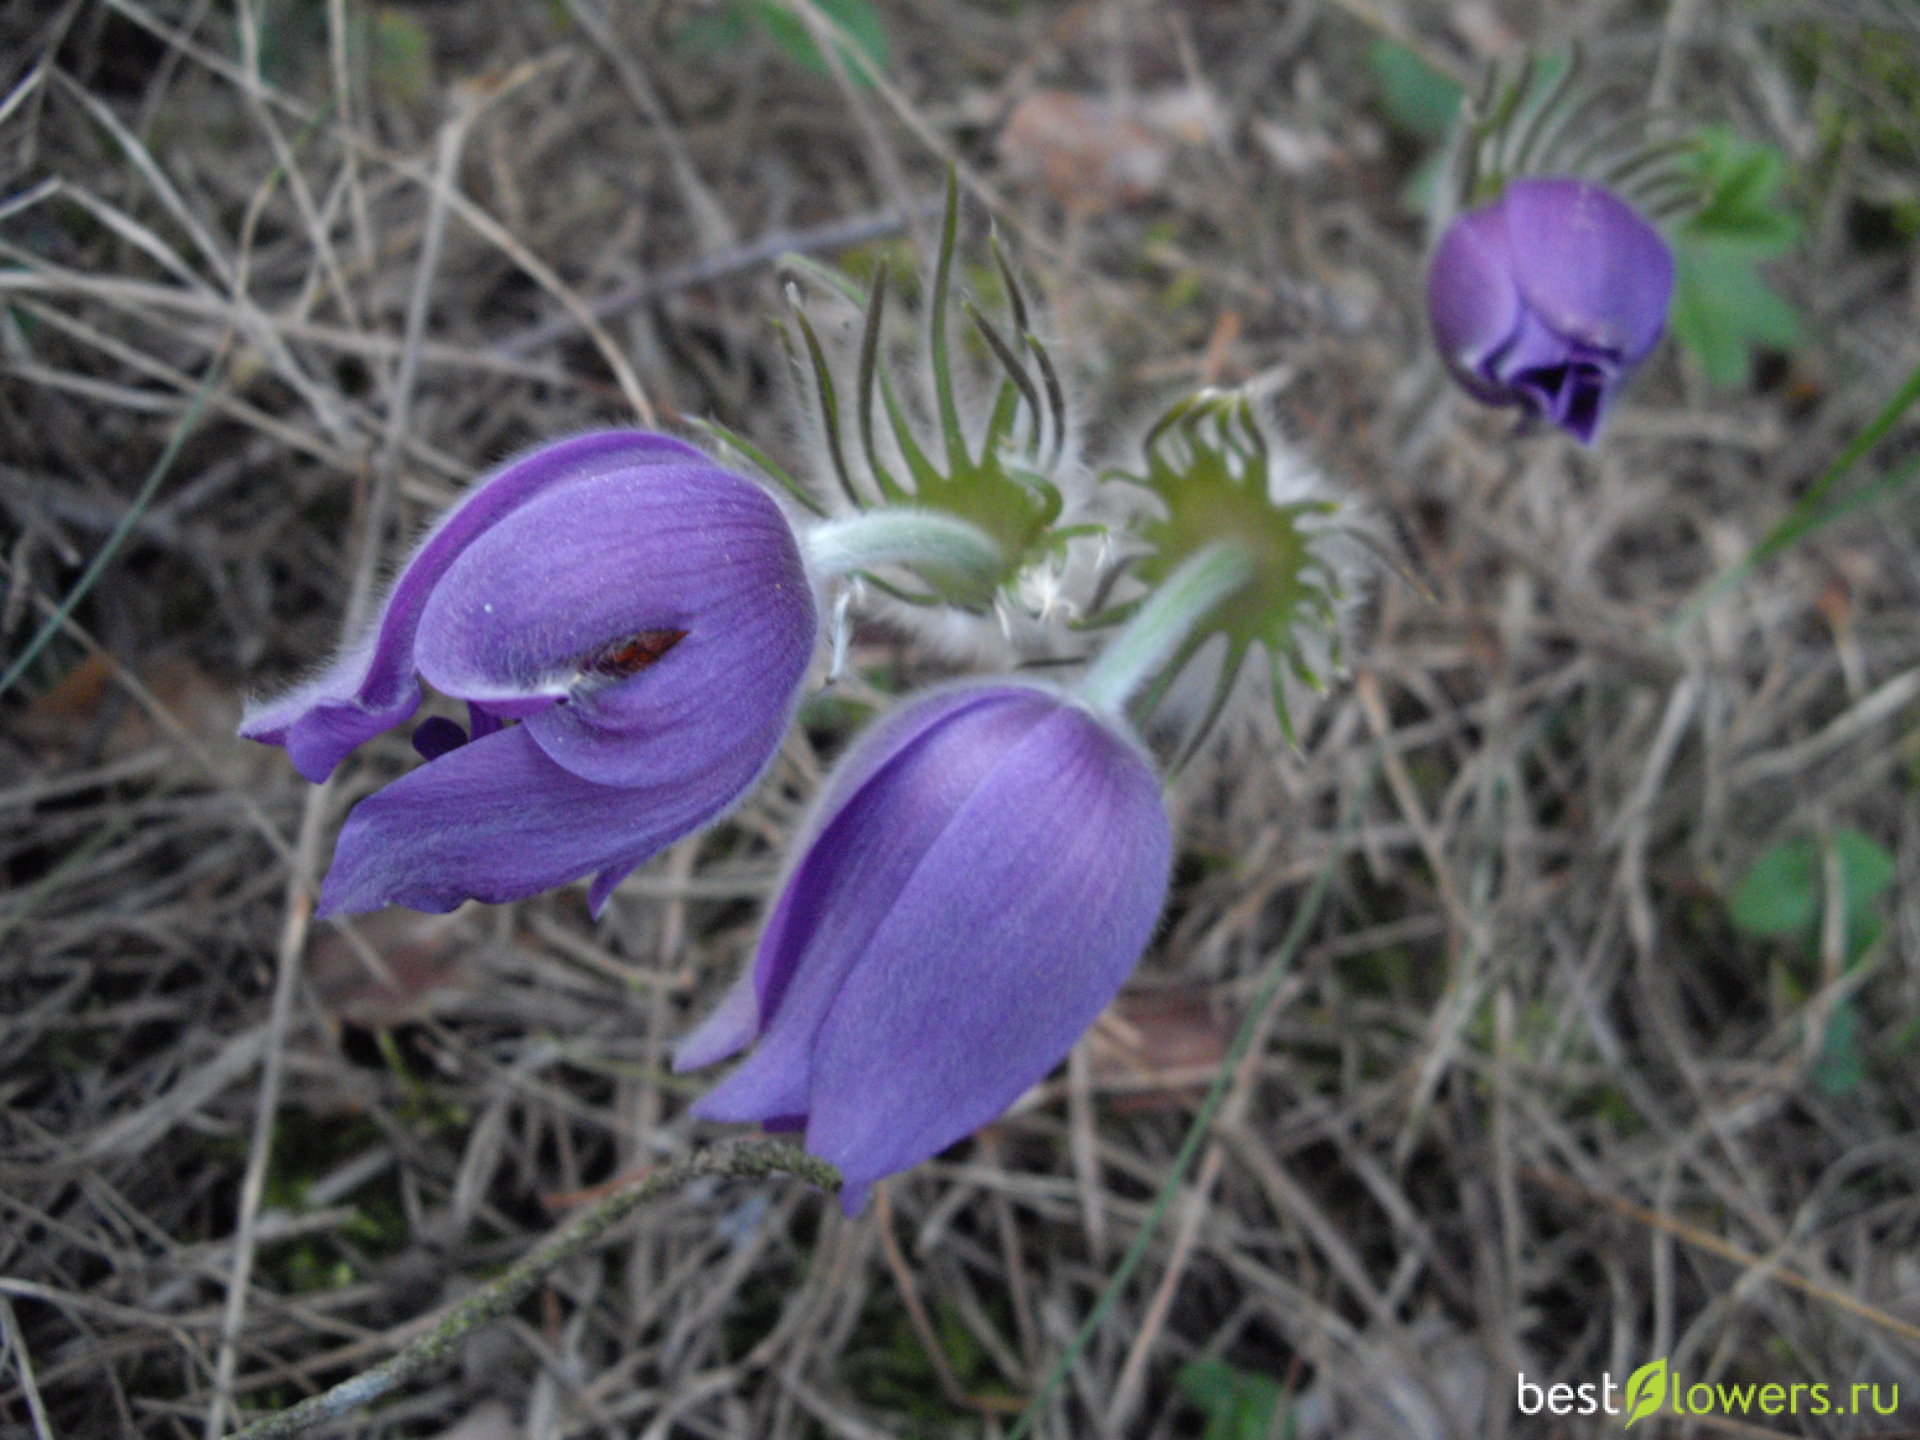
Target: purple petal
{"x": 736, "y": 1022}
{"x": 1471, "y": 297}
{"x": 667, "y": 608}
{"x": 935, "y": 757}
{"x": 1018, "y": 930}
{"x": 1588, "y": 266}
{"x": 1567, "y": 383}
{"x": 905, "y": 728}
{"x": 371, "y": 687}
{"x": 485, "y": 721}
{"x": 498, "y": 820}
{"x": 733, "y": 1025}
{"x": 956, "y": 925}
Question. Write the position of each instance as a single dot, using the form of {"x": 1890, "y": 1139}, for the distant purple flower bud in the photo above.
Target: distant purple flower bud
{"x": 643, "y": 614}
{"x": 983, "y": 871}
{"x": 1549, "y": 297}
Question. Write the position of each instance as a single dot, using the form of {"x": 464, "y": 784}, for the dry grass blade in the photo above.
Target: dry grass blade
{"x": 16, "y": 1352}
{"x": 1726, "y": 1250}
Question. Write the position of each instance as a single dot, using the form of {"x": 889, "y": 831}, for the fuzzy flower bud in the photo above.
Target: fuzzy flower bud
{"x": 984, "y": 869}
{"x": 1548, "y": 298}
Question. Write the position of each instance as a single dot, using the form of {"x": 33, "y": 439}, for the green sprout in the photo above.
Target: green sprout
{"x": 1000, "y": 482}
{"x": 1544, "y": 117}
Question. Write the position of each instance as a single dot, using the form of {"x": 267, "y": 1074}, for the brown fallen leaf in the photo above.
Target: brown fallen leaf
{"x": 1157, "y": 1048}
{"x": 71, "y": 706}
{"x": 64, "y": 718}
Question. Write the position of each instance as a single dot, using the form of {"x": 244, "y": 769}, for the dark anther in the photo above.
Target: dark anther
{"x": 633, "y": 654}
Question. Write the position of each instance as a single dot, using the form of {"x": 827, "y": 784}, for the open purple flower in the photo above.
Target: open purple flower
{"x": 641, "y": 613}
{"x": 1549, "y": 297}
{"x": 983, "y": 871}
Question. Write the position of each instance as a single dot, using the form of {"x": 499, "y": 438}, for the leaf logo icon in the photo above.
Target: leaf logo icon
{"x": 1646, "y": 1390}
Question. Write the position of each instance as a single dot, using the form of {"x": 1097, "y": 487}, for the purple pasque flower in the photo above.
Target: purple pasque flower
{"x": 641, "y": 613}
{"x": 982, "y": 872}
{"x": 1549, "y": 297}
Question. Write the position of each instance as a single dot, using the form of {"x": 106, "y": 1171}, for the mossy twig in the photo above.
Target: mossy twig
{"x": 741, "y": 1160}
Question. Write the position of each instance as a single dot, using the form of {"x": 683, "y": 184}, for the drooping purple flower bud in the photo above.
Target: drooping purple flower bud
{"x": 983, "y": 871}
{"x": 1549, "y": 297}
{"x": 641, "y": 613}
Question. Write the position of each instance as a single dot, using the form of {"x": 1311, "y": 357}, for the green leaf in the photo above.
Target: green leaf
{"x": 1646, "y": 1391}
{"x": 1779, "y": 896}
{"x": 857, "y": 18}
{"x": 1739, "y": 181}
{"x": 1840, "y": 1069}
{"x": 1416, "y": 97}
{"x": 1867, "y": 868}
{"x": 1723, "y": 311}
{"x": 1238, "y": 1404}
{"x": 1867, "y": 871}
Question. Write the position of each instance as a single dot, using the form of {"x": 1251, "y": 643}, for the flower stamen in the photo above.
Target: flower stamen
{"x": 627, "y": 657}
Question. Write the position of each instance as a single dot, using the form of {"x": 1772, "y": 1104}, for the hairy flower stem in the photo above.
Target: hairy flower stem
{"x": 921, "y": 540}
{"x": 746, "y": 1160}
{"x": 1162, "y": 625}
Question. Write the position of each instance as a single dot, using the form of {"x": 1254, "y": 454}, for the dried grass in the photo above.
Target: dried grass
{"x": 1527, "y": 1103}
